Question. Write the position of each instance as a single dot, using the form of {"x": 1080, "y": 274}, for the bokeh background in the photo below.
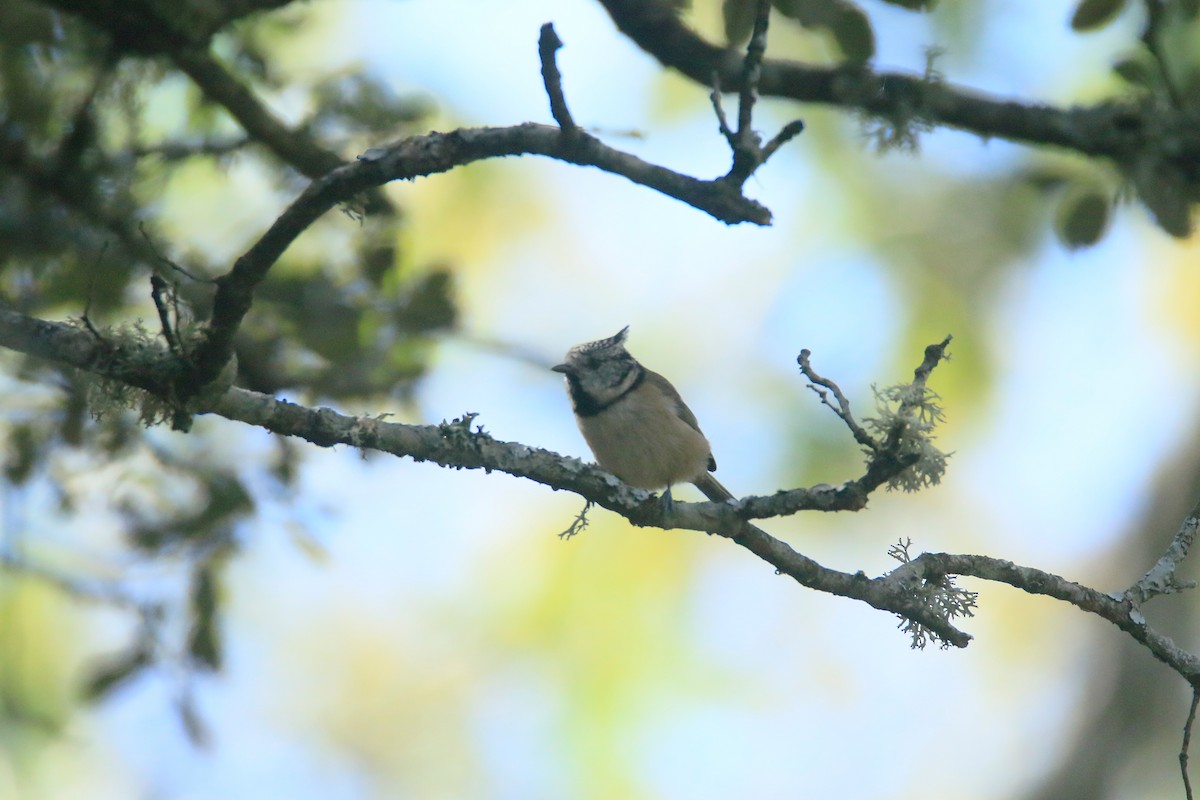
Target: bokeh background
{"x": 391, "y": 629}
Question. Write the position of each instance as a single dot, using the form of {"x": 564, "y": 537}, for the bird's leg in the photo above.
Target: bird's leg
{"x": 666, "y": 501}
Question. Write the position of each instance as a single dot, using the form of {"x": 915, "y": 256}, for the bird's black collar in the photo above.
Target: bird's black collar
{"x": 588, "y": 406}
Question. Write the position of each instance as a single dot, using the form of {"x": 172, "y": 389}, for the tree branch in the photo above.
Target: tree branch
{"x": 456, "y": 444}
{"x": 1160, "y": 579}
{"x": 1117, "y": 130}
{"x": 548, "y": 46}
{"x": 1187, "y": 741}
{"x": 427, "y": 155}
{"x": 842, "y": 409}
{"x": 223, "y": 88}
{"x": 748, "y": 151}
{"x": 148, "y": 365}
{"x": 1117, "y": 608}
{"x": 431, "y": 154}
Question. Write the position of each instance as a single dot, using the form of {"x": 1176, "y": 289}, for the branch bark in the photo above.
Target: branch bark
{"x": 431, "y": 154}
{"x": 454, "y": 444}
{"x": 1120, "y": 131}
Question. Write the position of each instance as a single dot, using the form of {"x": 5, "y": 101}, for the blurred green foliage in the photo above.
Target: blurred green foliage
{"x": 92, "y": 146}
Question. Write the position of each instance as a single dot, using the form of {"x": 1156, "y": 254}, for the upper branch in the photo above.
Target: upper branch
{"x": 410, "y": 158}
{"x": 1117, "y": 131}
{"x": 748, "y": 151}
{"x": 222, "y": 87}
{"x": 430, "y": 154}
{"x": 548, "y": 46}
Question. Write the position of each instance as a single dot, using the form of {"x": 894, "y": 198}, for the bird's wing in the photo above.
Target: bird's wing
{"x": 681, "y": 408}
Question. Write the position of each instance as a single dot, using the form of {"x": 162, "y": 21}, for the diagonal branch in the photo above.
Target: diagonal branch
{"x": 1160, "y": 578}
{"x": 842, "y": 409}
{"x": 431, "y": 154}
{"x": 427, "y": 155}
{"x": 456, "y": 444}
{"x": 223, "y": 88}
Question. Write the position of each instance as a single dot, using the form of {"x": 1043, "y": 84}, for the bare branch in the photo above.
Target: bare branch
{"x": 842, "y": 409}
{"x": 1116, "y": 130}
{"x": 457, "y": 445}
{"x": 1187, "y": 741}
{"x": 430, "y": 154}
{"x": 746, "y": 144}
{"x": 756, "y": 50}
{"x": 934, "y": 354}
{"x": 223, "y": 88}
{"x": 158, "y": 287}
{"x": 548, "y": 45}
{"x": 427, "y": 155}
{"x": 92, "y": 591}
{"x": 1160, "y": 579}
{"x": 579, "y": 524}
{"x": 181, "y": 150}
{"x": 166, "y": 261}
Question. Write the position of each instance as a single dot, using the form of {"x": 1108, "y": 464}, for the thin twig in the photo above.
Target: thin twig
{"x": 179, "y": 151}
{"x": 1160, "y": 578}
{"x": 548, "y": 46}
{"x": 752, "y": 72}
{"x": 785, "y": 135}
{"x": 91, "y": 591}
{"x": 934, "y": 354}
{"x": 748, "y": 151}
{"x": 842, "y": 409}
{"x": 87, "y": 306}
{"x": 146, "y": 235}
{"x": 1187, "y": 741}
{"x": 220, "y": 85}
{"x": 159, "y": 286}
{"x": 579, "y": 524}
{"x": 719, "y": 110}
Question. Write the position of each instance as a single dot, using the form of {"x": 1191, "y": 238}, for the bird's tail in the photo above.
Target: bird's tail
{"x": 712, "y": 488}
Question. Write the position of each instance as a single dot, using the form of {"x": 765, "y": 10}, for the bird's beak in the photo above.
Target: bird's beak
{"x": 566, "y": 369}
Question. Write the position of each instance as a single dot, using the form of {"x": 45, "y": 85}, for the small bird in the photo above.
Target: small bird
{"x": 637, "y": 425}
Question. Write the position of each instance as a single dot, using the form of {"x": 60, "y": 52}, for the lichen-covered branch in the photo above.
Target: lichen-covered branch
{"x": 1118, "y": 608}
{"x": 1161, "y": 578}
{"x": 461, "y": 445}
